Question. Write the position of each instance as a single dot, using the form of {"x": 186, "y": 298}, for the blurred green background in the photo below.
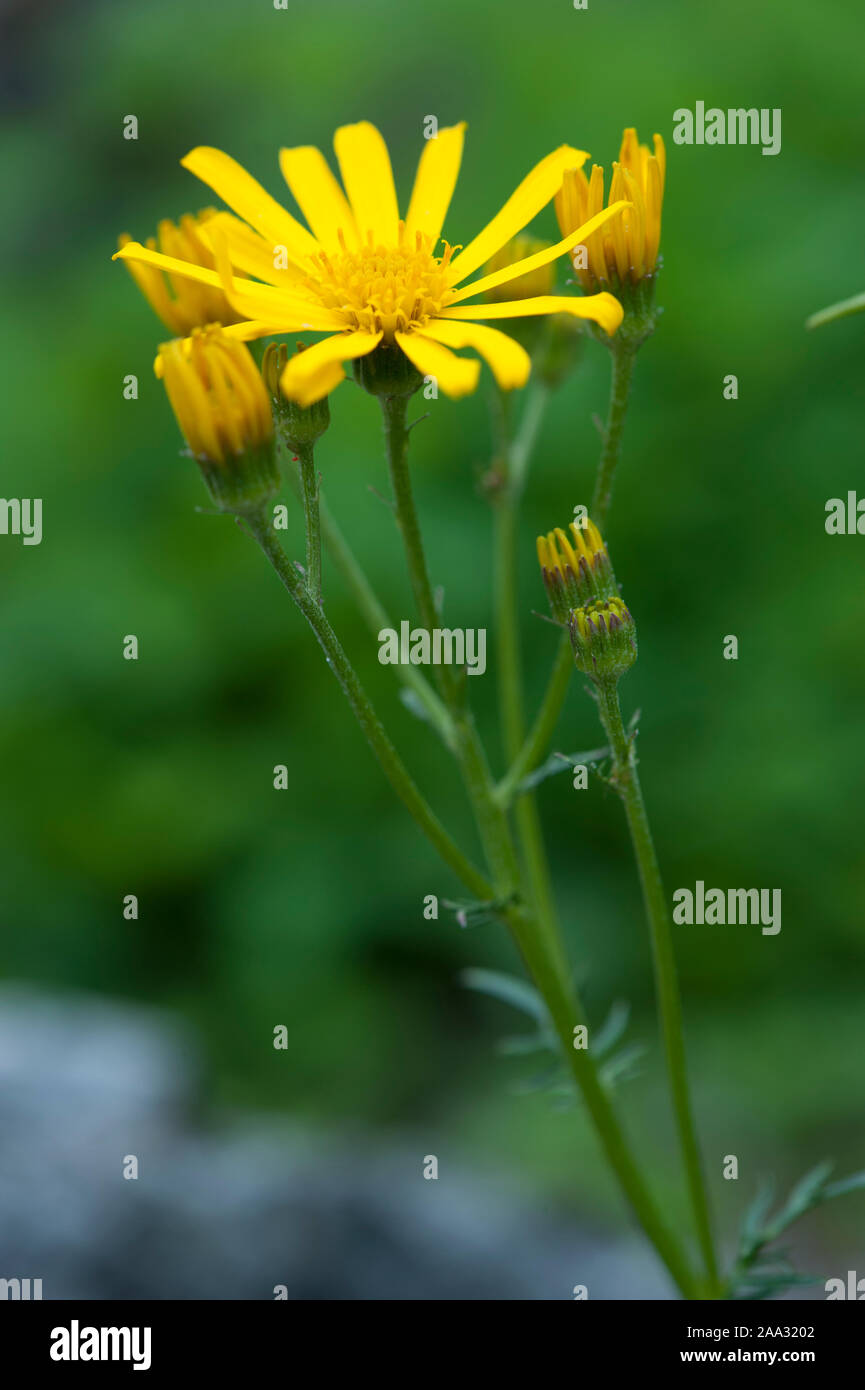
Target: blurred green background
{"x": 154, "y": 777}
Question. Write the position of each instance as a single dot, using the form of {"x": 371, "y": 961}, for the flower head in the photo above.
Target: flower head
{"x": 366, "y": 276}
{"x": 575, "y": 571}
{"x": 181, "y": 303}
{"x": 223, "y": 410}
{"x": 604, "y": 638}
{"x": 625, "y": 250}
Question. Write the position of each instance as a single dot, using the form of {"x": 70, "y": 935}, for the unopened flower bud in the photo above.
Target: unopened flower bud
{"x": 298, "y": 425}
{"x": 222, "y": 408}
{"x": 604, "y": 638}
{"x": 575, "y": 569}
{"x": 622, "y": 256}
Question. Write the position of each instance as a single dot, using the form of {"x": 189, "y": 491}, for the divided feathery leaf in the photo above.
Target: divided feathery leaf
{"x": 758, "y": 1272}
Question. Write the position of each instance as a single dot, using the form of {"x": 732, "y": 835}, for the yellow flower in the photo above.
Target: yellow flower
{"x": 367, "y": 276}
{"x": 217, "y": 395}
{"x": 181, "y": 303}
{"x": 627, "y": 247}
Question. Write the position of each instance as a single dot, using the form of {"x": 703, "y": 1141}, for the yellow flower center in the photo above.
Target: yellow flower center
{"x": 385, "y": 289}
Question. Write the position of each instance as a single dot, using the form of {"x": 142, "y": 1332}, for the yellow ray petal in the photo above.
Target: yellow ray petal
{"x": 510, "y": 363}
{"x": 602, "y": 308}
{"x": 295, "y": 311}
{"x": 617, "y": 231}
{"x": 251, "y": 328}
{"x": 549, "y": 253}
{"x": 536, "y": 190}
{"x": 571, "y": 200}
{"x": 310, "y": 375}
{"x": 271, "y": 305}
{"x": 249, "y": 252}
{"x": 248, "y": 199}
{"x": 654, "y": 200}
{"x": 155, "y": 290}
{"x": 143, "y": 255}
{"x": 435, "y": 181}
{"x": 661, "y": 156}
{"x": 456, "y": 376}
{"x": 262, "y": 302}
{"x": 368, "y": 178}
{"x": 319, "y": 196}
{"x": 189, "y": 401}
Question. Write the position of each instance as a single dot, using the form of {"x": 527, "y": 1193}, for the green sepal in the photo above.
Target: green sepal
{"x": 386, "y": 371}
{"x": 245, "y": 482}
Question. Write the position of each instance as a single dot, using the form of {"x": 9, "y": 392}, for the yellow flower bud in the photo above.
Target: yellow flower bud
{"x": 625, "y": 250}
{"x": 223, "y": 410}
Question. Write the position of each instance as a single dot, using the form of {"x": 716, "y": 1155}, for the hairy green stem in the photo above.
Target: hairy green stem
{"x": 374, "y": 613}
{"x": 390, "y": 761}
{"x": 623, "y": 355}
{"x": 627, "y": 782}
{"x": 309, "y": 486}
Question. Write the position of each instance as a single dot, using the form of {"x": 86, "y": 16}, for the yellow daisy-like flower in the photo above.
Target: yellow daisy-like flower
{"x": 181, "y": 303}
{"x": 626, "y": 249}
{"x": 367, "y": 276}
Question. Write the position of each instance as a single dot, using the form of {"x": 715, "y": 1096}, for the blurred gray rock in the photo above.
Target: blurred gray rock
{"x": 229, "y": 1213}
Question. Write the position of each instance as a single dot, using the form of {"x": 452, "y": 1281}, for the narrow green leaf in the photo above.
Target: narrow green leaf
{"x": 622, "y": 1065}
{"x": 855, "y": 1183}
{"x": 842, "y": 310}
{"x": 558, "y": 762}
{"x": 524, "y": 1044}
{"x": 754, "y": 1221}
{"x": 804, "y": 1196}
{"x": 509, "y": 989}
{"x": 611, "y": 1029}
{"x": 544, "y": 1080}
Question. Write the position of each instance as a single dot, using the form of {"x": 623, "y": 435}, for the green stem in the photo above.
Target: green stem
{"x": 373, "y": 612}
{"x": 544, "y": 961}
{"x": 377, "y": 619}
{"x": 394, "y": 409}
{"x": 515, "y": 460}
{"x": 390, "y": 761}
{"x": 309, "y": 485}
{"x": 521, "y": 451}
{"x": 623, "y": 356}
{"x": 537, "y": 742}
{"x": 627, "y": 783}
{"x": 490, "y": 819}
